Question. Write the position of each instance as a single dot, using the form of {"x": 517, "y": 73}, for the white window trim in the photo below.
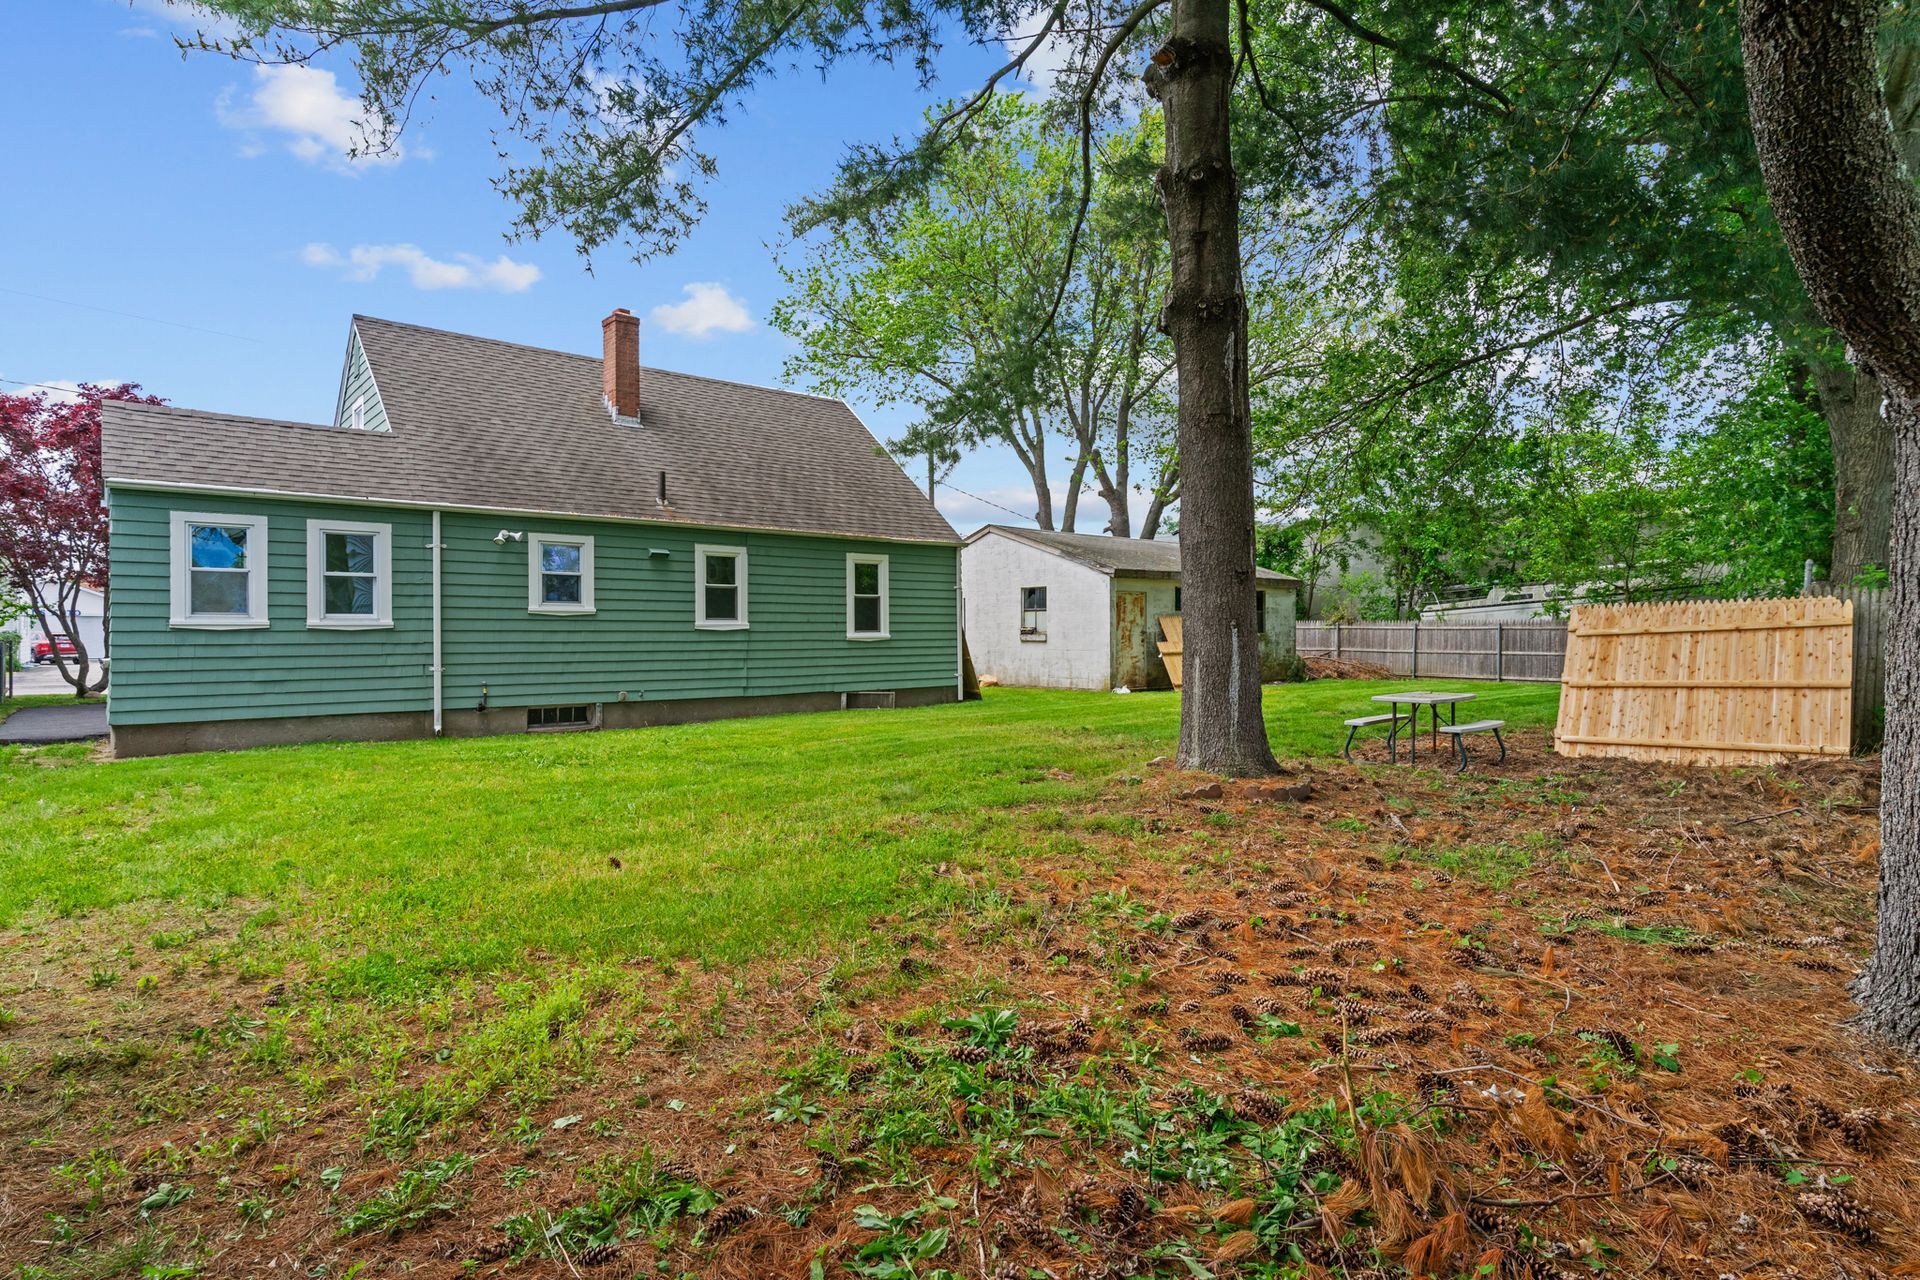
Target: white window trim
{"x": 886, "y": 601}
{"x": 534, "y": 603}
{"x": 357, "y": 415}
{"x": 317, "y": 616}
{"x": 702, "y": 552}
{"x": 180, "y": 553}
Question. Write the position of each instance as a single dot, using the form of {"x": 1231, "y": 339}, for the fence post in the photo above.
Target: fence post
{"x": 1336, "y": 642}
{"x": 1499, "y": 651}
{"x": 1416, "y": 649}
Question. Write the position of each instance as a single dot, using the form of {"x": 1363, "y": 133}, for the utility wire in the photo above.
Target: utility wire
{"x": 127, "y": 315}
{"x": 989, "y": 501}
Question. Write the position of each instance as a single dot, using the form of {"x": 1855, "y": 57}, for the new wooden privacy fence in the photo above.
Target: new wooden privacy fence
{"x": 1708, "y": 682}
{"x": 1530, "y": 650}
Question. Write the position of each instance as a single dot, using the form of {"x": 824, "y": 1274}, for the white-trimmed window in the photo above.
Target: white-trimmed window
{"x": 559, "y": 574}
{"x": 349, "y": 574}
{"x": 1033, "y": 612}
{"x": 720, "y": 587}
{"x": 866, "y": 596}
{"x": 219, "y": 578}
{"x": 357, "y": 414}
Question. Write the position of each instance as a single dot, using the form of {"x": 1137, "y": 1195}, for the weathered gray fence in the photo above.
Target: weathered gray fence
{"x": 1869, "y": 659}
{"x": 1532, "y": 650}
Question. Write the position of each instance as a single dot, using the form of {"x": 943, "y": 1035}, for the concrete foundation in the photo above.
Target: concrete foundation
{"x": 134, "y": 740}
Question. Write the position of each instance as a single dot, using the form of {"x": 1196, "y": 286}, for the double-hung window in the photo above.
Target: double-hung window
{"x": 559, "y": 574}
{"x": 720, "y": 587}
{"x": 219, "y": 578}
{"x": 866, "y": 597}
{"x": 349, "y": 574}
{"x": 1033, "y": 612}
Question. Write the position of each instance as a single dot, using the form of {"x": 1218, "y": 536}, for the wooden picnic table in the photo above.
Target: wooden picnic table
{"x": 1413, "y": 701}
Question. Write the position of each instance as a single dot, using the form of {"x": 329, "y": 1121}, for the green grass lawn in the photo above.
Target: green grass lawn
{"x": 404, "y": 861}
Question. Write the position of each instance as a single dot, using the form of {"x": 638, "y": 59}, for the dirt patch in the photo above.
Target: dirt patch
{"x": 1546, "y": 1018}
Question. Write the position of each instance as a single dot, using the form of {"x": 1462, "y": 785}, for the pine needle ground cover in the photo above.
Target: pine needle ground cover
{"x": 1077, "y": 1016}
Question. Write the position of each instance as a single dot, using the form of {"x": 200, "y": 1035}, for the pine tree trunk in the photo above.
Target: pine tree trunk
{"x": 1221, "y": 726}
{"x": 1889, "y": 989}
{"x": 1862, "y": 468}
{"x": 1850, "y": 216}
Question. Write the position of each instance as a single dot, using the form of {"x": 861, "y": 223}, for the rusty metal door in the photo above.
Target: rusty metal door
{"x": 1133, "y": 651}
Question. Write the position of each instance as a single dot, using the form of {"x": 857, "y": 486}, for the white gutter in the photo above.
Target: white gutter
{"x": 434, "y": 546}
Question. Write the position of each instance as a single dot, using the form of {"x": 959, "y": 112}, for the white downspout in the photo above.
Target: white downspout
{"x": 435, "y": 547}
{"x": 959, "y": 633}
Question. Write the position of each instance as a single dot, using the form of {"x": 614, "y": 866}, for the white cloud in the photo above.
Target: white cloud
{"x": 466, "y": 271}
{"x": 315, "y": 120}
{"x": 709, "y": 309}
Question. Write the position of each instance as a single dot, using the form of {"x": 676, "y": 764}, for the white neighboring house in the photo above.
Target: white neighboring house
{"x": 1082, "y": 611}
{"x": 92, "y": 611}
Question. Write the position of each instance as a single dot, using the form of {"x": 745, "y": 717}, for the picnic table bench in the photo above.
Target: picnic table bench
{"x": 1397, "y": 722}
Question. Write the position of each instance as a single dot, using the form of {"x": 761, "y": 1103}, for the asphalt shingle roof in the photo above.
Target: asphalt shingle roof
{"x": 1137, "y": 557}
{"x": 482, "y": 423}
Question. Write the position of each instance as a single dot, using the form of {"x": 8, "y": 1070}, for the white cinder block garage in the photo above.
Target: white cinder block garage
{"x": 1082, "y": 611}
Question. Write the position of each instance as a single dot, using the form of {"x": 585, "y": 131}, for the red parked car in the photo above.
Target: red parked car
{"x": 43, "y": 648}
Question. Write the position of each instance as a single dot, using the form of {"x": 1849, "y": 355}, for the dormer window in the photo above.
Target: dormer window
{"x": 357, "y": 415}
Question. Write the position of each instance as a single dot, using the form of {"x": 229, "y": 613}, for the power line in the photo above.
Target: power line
{"x": 127, "y": 315}
{"x": 989, "y": 501}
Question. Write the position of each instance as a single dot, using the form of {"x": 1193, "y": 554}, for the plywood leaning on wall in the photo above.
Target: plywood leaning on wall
{"x": 1171, "y": 649}
{"x": 1708, "y": 681}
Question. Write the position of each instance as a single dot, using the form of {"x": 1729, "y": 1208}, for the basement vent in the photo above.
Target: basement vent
{"x": 580, "y": 717}
{"x": 876, "y": 700}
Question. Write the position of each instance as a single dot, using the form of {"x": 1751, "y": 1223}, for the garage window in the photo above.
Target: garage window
{"x": 1033, "y": 611}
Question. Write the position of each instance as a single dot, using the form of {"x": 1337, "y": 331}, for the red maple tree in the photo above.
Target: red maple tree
{"x": 53, "y": 516}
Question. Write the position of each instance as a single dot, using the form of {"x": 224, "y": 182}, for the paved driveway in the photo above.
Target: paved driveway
{"x": 56, "y": 724}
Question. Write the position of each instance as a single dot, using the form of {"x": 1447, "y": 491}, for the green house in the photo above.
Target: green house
{"x": 494, "y": 538}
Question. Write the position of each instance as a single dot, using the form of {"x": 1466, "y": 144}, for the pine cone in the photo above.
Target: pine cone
{"x": 1419, "y": 993}
{"x": 1192, "y": 919}
{"x": 829, "y": 1169}
{"x": 1351, "y": 946}
{"x": 1074, "y": 1203}
{"x": 725, "y": 1218}
{"x": 1352, "y": 1010}
{"x": 1431, "y": 1084}
{"x": 969, "y": 1054}
{"x": 1373, "y": 1036}
{"x": 491, "y": 1250}
{"x": 1269, "y": 1006}
{"x": 1818, "y": 1117}
{"x": 1255, "y": 1107}
{"x": 1861, "y": 1127}
{"x": 1492, "y": 1221}
{"x": 1692, "y": 1171}
{"x": 1024, "y": 1221}
{"x": 1319, "y": 976}
{"x": 596, "y": 1255}
{"x": 674, "y": 1169}
{"x": 1228, "y": 978}
{"x": 1834, "y": 1211}
{"x": 1130, "y": 1210}
{"x": 1419, "y": 1033}
{"x": 1243, "y": 1015}
{"x": 1198, "y": 1041}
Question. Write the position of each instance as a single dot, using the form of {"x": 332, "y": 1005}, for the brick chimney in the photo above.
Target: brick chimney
{"x": 620, "y": 362}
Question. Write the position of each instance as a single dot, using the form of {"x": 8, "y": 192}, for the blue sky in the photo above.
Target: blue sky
{"x": 193, "y": 225}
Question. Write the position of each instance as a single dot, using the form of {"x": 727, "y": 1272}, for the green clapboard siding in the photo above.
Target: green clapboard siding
{"x": 641, "y": 640}
{"x": 356, "y": 383}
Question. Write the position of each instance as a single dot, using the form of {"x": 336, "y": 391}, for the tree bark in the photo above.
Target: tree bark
{"x": 1850, "y": 216}
{"x": 1222, "y": 729}
{"x": 1850, "y": 401}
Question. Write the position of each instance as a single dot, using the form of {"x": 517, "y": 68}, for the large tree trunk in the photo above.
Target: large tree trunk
{"x": 1862, "y": 467}
{"x": 1850, "y": 216}
{"x": 1221, "y": 726}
